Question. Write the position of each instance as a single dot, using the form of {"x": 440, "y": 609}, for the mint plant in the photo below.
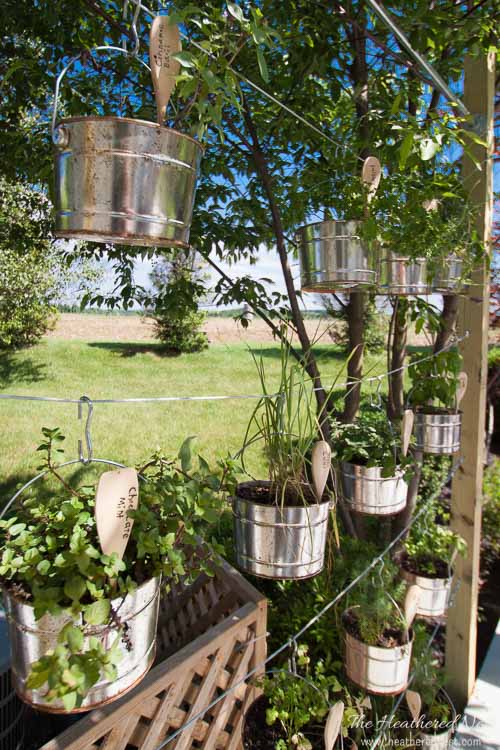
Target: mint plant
{"x": 435, "y": 381}
{"x": 430, "y": 546}
{"x": 369, "y": 441}
{"x": 52, "y": 559}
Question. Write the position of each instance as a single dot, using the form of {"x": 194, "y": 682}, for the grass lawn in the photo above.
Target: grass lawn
{"x": 131, "y": 432}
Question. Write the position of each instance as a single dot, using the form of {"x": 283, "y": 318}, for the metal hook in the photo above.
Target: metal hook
{"x": 88, "y": 440}
{"x": 135, "y": 50}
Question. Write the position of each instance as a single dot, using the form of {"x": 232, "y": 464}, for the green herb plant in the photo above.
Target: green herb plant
{"x": 435, "y": 380}
{"x": 369, "y": 441}
{"x": 285, "y": 420}
{"x": 429, "y": 681}
{"x": 52, "y": 559}
{"x": 377, "y": 607}
{"x": 430, "y": 544}
{"x": 297, "y": 702}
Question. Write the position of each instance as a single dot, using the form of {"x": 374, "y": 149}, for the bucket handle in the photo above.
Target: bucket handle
{"x": 106, "y": 47}
{"x": 47, "y": 471}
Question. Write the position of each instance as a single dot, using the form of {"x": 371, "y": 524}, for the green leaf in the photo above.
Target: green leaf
{"x": 186, "y": 59}
{"x": 69, "y": 700}
{"x": 75, "y": 588}
{"x": 98, "y": 612}
{"x": 236, "y": 11}
{"x": 43, "y": 567}
{"x": 74, "y": 638}
{"x": 262, "y": 65}
{"x": 185, "y": 454}
{"x": 405, "y": 149}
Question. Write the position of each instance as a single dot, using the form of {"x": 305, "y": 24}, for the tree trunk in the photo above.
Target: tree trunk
{"x": 395, "y": 402}
{"x": 355, "y": 315}
{"x": 447, "y": 323}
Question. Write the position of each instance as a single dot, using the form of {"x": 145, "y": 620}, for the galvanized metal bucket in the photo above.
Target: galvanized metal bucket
{"x": 123, "y": 180}
{"x": 382, "y": 671}
{"x": 31, "y": 639}
{"x": 434, "y": 593}
{"x": 280, "y": 542}
{"x": 333, "y": 257}
{"x": 365, "y": 490}
{"x": 401, "y": 276}
{"x": 437, "y": 433}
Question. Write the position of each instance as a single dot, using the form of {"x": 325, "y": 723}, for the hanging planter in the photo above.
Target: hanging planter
{"x": 434, "y": 589}
{"x": 379, "y": 670}
{"x": 440, "y": 738}
{"x": 366, "y": 490}
{"x": 32, "y": 639}
{"x": 437, "y": 431}
{"x": 123, "y": 180}
{"x": 279, "y": 540}
{"x": 81, "y": 572}
{"x": 333, "y": 257}
{"x": 402, "y": 276}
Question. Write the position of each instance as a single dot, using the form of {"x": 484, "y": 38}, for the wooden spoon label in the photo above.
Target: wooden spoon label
{"x": 117, "y": 493}
{"x": 411, "y": 603}
{"x": 414, "y": 703}
{"x": 333, "y": 724}
{"x": 321, "y": 460}
{"x": 406, "y": 429}
{"x": 164, "y": 42}
{"x": 371, "y": 174}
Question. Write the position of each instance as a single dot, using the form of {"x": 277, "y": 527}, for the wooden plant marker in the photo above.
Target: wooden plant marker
{"x": 406, "y": 429}
{"x": 164, "y": 41}
{"x": 371, "y": 173}
{"x": 462, "y": 387}
{"x": 411, "y": 603}
{"x": 414, "y": 703}
{"x": 117, "y": 493}
{"x": 321, "y": 461}
{"x": 431, "y": 205}
{"x": 333, "y": 724}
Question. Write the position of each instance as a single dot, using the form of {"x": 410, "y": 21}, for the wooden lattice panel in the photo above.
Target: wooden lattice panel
{"x": 206, "y": 644}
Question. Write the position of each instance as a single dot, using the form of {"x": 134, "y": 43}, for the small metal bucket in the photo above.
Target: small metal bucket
{"x": 437, "y": 433}
{"x": 31, "y": 639}
{"x": 382, "y": 671}
{"x": 280, "y": 542}
{"x": 124, "y": 180}
{"x": 434, "y": 593}
{"x": 333, "y": 257}
{"x": 365, "y": 490}
{"x": 401, "y": 276}
{"x": 448, "y": 279}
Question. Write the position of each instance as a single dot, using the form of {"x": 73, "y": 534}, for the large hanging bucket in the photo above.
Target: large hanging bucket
{"x": 123, "y": 180}
{"x": 366, "y": 491}
{"x": 434, "y": 593}
{"x": 438, "y": 740}
{"x": 30, "y": 639}
{"x": 437, "y": 433}
{"x": 333, "y": 257}
{"x": 382, "y": 671}
{"x": 279, "y": 541}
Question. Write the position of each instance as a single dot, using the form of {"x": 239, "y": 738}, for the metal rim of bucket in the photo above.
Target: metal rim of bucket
{"x": 357, "y": 673}
{"x": 326, "y": 273}
{"x": 270, "y": 546}
{"x": 19, "y": 633}
{"x": 371, "y": 493}
{"x": 436, "y": 433}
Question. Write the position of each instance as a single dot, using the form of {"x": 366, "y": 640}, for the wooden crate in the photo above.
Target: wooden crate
{"x": 205, "y": 644}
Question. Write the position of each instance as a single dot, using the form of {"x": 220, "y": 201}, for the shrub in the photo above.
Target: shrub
{"x": 178, "y": 319}
{"x": 27, "y": 281}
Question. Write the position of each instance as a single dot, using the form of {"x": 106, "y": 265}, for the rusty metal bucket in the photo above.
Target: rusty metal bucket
{"x": 30, "y": 639}
{"x": 333, "y": 257}
{"x": 123, "y": 180}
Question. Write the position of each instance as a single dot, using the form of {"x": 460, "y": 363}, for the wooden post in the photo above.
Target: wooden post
{"x": 461, "y": 631}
